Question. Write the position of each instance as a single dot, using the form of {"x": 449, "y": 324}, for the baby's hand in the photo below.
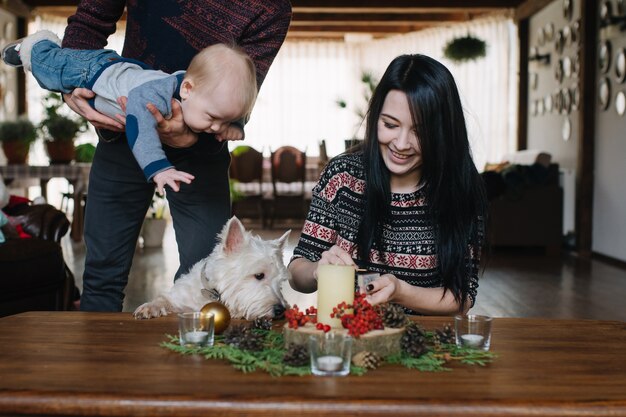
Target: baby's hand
{"x": 230, "y": 133}
{"x": 173, "y": 178}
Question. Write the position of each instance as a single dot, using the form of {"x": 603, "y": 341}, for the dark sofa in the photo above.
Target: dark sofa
{"x": 33, "y": 273}
{"x": 525, "y": 206}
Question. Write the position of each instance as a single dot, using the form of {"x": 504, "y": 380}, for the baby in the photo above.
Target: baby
{"x": 217, "y": 92}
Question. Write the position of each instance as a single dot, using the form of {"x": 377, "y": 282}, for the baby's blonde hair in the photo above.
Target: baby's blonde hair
{"x": 220, "y": 60}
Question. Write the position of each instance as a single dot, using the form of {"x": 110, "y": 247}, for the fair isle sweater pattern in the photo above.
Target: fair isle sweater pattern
{"x": 408, "y": 247}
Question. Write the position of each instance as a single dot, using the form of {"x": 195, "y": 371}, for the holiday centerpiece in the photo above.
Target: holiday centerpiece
{"x": 382, "y": 334}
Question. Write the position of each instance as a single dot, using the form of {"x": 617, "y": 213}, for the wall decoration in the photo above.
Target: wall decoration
{"x": 567, "y": 101}
{"x": 620, "y": 65}
{"x": 620, "y": 103}
{"x": 566, "y": 130}
{"x": 604, "y": 93}
{"x": 567, "y": 66}
{"x": 558, "y": 70}
{"x": 559, "y": 42}
{"x": 575, "y": 65}
{"x": 548, "y": 31}
{"x": 606, "y": 13}
{"x": 604, "y": 56}
{"x": 558, "y": 101}
{"x": 567, "y": 35}
{"x": 541, "y": 37}
{"x": 575, "y": 29}
{"x": 568, "y": 9}
{"x": 547, "y": 103}
{"x": 575, "y": 93}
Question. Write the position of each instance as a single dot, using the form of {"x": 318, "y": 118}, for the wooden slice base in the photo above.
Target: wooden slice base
{"x": 383, "y": 342}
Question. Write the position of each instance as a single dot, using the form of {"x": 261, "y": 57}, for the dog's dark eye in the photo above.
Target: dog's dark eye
{"x": 259, "y": 276}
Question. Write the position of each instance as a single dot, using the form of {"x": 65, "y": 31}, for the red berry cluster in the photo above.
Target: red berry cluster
{"x": 324, "y": 327}
{"x": 296, "y": 318}
{"x": 363, "y": 319}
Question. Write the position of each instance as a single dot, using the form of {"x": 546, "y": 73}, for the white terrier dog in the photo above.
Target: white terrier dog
{"x": 244, "y": 272}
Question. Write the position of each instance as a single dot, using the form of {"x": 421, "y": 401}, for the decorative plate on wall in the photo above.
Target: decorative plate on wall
{"x": 575, "y": 35}
{"x": 548, "y": 31}
{"x": 620, "y": 103}
{"x": 606, "y": 12}
{"x": 567, "y": 101}
{"x": 547, "y": 103}
{"x": 566, "y": 130}
{"x": 575, "y": 65}
{"x": 559, "y": 42}
{"x": 567, "y": 67}
{"x": 558, "y": 101}
{"x": 575, "y": 93}
{"x": 620, "y": 65}
{"x": 558, "y": 70}
{"x": 604, "y": 56}
{"x": 604, "y": 93}
{"x": 567, "y": 35}
{"x": 568, "y": 8}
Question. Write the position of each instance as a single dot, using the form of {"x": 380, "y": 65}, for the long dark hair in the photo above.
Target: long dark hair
{"x": 454, "y": 191}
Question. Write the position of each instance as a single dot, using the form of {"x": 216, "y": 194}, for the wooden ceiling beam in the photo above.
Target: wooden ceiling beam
{"x": 403, "y": 5}
{"x": 376, "y": 18}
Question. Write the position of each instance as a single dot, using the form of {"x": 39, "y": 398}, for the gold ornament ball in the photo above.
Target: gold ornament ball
{"x": 221, "y": 315}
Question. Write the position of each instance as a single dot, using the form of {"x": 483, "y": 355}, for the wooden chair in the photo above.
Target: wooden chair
{"x": 246, "y": 170}
{"x": 288, "y": 168}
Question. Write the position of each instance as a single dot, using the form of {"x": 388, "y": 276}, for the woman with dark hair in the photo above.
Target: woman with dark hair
{"x": 410, "y": 205}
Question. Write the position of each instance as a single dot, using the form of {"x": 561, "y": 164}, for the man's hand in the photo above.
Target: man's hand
{"x": 230, "y": 133}
{"x": 173, "y": 178}
{"x": 173, "y": 131}
{"x": 77, "y": 101}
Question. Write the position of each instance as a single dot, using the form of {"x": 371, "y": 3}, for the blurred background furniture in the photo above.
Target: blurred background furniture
{"x": 246, "y": 170}
{"x": 33, "y": 273}
{"x": 525, "y": 202}
{"x": 288, "y": 169}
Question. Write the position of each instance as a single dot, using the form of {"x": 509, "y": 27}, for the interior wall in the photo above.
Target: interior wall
{"x": 8, "y": 76}
{"x": 552, "y": 113}
{"x": 554, "y": 91}
{"x": 609, "y": 187}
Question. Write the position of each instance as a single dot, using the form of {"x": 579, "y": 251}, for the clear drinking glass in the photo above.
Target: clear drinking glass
{"x": 196, "y": 329}
{"x": 331, "y": 354}
{"x": 473, "y": 331}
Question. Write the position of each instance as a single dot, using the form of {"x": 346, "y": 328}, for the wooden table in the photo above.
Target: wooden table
{"x": 107, "y": 364}
{"x": 76, "y": 174}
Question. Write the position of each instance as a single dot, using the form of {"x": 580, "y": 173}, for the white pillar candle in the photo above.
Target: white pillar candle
{"x": 473, "y": 340}
{"x": 329, "y": 363}
{"x": 335, "y": 284}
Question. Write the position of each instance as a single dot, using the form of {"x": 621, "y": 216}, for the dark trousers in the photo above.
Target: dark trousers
{"x": 119, "y": 197}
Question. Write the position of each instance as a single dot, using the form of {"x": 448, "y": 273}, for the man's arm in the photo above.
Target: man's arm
{"x": 92, "y": 24}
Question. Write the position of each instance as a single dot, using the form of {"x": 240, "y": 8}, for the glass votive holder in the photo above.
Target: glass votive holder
{"x": 196, "y": 329}
{"x": 473, "y": 331}
{"x": 331, "y": 354}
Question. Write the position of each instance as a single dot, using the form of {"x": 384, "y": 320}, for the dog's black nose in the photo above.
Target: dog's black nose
{"x": 279, "y": 311}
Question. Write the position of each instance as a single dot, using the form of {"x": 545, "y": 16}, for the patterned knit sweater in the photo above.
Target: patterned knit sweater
{"x": 408, "y": 248}
{"x": 166, "y": 34}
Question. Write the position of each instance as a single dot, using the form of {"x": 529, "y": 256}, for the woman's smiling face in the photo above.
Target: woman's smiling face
{"x": 398, "y": 143}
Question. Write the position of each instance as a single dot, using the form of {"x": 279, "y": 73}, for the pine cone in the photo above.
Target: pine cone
{"x": 262, "y": 323}
{"x": 393, "y": 316}
{"x": 243, "y": 337}
{"x": 445, "y": 335}
{"x": 367, "y": 360}
{"x": 413, "y": 342}
{"x": 296, "y": 355}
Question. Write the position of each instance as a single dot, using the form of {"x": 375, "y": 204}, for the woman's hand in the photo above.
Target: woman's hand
{"x": 382, "y": 289}
{"x": 173, "y": 131}
{"x": 77, "y": 101}
{"x": 336, "y": 256}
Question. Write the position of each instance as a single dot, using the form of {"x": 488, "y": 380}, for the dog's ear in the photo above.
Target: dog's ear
{"x": 234, "y": 235}
{"x": 281, "y": 241}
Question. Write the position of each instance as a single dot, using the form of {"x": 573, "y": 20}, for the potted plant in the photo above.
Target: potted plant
{"x": 16, "y": 137}
{"x": 59, "y": 131}
{"x": 154, "y": 224}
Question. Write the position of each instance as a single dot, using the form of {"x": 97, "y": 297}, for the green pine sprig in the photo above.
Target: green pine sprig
{"x": 270, "y": 358}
